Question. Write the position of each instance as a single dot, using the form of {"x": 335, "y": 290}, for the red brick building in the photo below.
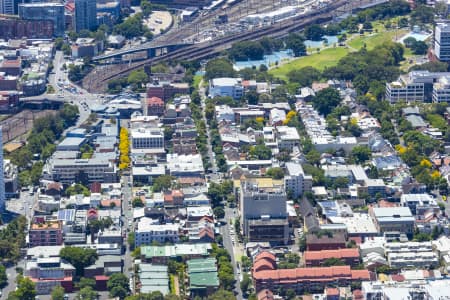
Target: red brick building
{"x": 11, "y": 67}
{"x": 45, "y": 233}
{"x": 165, "y": 91}
{"x": 266, "y": 276}
{"x": 325, "y": 242}
{"x": 32, "y": 29}
{"x": 155, "y": 106}
{"x": 349, "y": 256}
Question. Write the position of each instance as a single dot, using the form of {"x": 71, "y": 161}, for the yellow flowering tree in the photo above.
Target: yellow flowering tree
{"x": 124, "y": 148}
{"x": 291, "y": 114}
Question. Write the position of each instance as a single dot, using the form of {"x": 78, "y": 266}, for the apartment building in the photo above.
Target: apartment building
{"x": 416, "y": 86}
{"x": 95, "y": 169}
{"x": 49, "y": 272}
{"x": 263, "y": 207}
{"x": 411, "y": 255}
{"x": 266, "y": 276}
{"x": 393, "y": 219}
{"x": 441, "y": 90}
{"x": 45, "y": 233}
{"x": 231, "y": 87}
{"x": 442, "y": 41}
{"x": 287, "y": 137}
{"x": 147, "y": 232}
{"x": 419, "y": 203}
{"x": 147, "y": 138}
{"x": 296, "y": 180}
{"x": 349, "y": 256}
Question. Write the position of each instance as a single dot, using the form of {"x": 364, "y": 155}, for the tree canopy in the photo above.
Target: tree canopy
{"x": 118, "y": 285}
{"x": 219, "y": 67}
{"x": 326, "y": 100}
{"x": 79, "y": 257}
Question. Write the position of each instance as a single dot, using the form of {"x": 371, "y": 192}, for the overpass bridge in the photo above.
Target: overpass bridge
{"x": 41, "y": 102}
{"x": 151, "y": 49}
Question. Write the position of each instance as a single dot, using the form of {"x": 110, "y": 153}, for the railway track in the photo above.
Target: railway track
{"x": 206, "y": 50}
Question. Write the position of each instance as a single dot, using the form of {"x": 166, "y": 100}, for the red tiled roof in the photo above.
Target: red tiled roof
{"x": 190, "y": 180}
{"x": 332, "y": 292}
{"x": 54, "y": 185}
{"x": 107, "y": 203}
{"x": 312, "y": 274}
{"x": 155, "y": 101}
{"x": 101, "y": 278}
{"x": 92, "y": 212}
{"x": 11, "y": 63}
{"x": 177, "y": 193}
{"x": 356, "y": 239}
{"x": 384, "y": 203}
{"x": 263, "y": 265}
{"x": 206, "y": 231}
{"x": 265, "y": 255}
{"x": 305, "y": 273}
{"x": 398, "y": 277}
{"x": 168, "y": 197}
{"x": 361, "y": 274}
{"x": 325, "y": 254}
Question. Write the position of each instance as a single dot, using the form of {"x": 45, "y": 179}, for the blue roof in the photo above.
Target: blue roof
{"x": 329, "y": 208}
{"x": 66, "y": 214}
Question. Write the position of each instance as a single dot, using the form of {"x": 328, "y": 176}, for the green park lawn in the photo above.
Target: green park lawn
{"x": 375, "y": 39}
{"x": 326, "y": 58}
{"x": 330, "y": 56}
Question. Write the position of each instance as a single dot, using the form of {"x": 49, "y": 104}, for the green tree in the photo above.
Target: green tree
{"x": 58, "y": 293}
{"x": 251, "y": 97}
{"x": 275, "y": 173}
{"x": 361, "y": 154}
{"x": 329, "y": 262}
{"x": 326, "y": 100}
{"x": 245, "y": 283}
{"x": 118, "y": 285}
{"x": 219, "y": 67}
{"x": 245, "y": 262}
{"x": 131, "y": 27}
{"x": 304, "y": 76}
{"x": 290, "y": 294}
{"x": 419, "y": 48}
{"x": 137, "y": 202}
{"x": 246, "y": 50}
{"x": 86, "y": 293}
{"x": 26, "y": 289}
{"x": 137, "y": 78}
{"x": 86, "y": 282}
{"x": 79, "y": 257}
{"x": 295, "y": 42}
{"x": 162, "y": 183}
{"x": 131, "y": 239}
{"x": 219, "y": 212}
{"x": 3, "y": 277}
{"x": 221, "y": 295}
{"x": 77, "y": 189}
{"x": 314, "y": 32}
{"x": 261, "y": 151}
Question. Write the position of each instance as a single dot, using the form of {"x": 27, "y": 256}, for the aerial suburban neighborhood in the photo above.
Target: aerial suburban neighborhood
{"x": 225, "y": 149}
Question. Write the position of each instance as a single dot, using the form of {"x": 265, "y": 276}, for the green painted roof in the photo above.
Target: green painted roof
{"x": 202, "y": 273}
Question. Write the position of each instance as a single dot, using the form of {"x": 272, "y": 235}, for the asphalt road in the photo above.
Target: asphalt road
{"x": 230, "y": 213}
{"x": 215, "y": 175}
{"x": 229, "y": 242}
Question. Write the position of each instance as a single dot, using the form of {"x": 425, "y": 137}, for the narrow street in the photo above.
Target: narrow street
{"x": 230, "y": 213}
